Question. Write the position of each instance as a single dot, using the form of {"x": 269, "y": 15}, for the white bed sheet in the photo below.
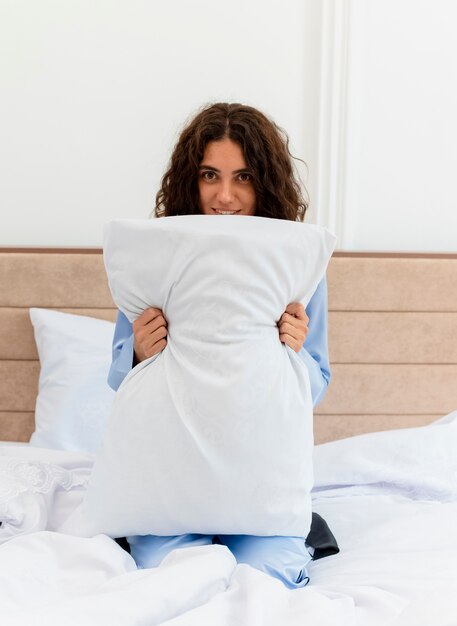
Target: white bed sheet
{"x": 397, "y": 565}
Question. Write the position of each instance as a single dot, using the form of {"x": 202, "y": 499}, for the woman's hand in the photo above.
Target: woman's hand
{"x": 149, "y": 334}
{"x": 293, "y": 326}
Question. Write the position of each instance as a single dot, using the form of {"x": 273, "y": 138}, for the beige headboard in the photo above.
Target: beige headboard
{"x": 392, "y": 335}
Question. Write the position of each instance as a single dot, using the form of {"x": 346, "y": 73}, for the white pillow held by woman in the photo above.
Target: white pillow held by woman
{"x": 214, "y": 434}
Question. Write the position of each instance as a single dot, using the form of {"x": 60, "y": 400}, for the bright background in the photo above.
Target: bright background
{"x": 93, "y": 94}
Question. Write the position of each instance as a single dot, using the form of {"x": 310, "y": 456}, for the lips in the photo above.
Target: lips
{"x": 225, "y": 212}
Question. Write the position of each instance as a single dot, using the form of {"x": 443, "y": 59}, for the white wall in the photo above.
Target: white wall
{"x": 93, "y": 93}
{"x": 399, "y": 156}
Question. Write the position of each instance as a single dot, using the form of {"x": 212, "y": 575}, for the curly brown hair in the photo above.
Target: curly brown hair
{"x": 266, "y": 151}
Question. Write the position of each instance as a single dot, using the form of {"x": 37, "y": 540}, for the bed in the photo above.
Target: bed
{"x": 385, "y": 464}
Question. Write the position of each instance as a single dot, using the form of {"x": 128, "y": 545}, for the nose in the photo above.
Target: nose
{"x": 225, "y": 193}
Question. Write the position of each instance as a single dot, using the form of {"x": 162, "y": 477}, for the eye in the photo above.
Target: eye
{"x": 208, "y": 175}
{"x": 245, "y": 177}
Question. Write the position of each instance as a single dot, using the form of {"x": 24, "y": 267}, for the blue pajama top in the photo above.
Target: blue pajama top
{"x": 314, "y": 352}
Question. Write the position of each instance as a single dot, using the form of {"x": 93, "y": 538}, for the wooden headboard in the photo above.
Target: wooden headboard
{"x": 392, "y": 335}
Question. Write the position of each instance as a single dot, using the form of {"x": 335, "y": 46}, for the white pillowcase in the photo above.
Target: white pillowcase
{"x": 214, "y": 435}
{"x": 418, "y": 463}
{"x": 74, "y": 398}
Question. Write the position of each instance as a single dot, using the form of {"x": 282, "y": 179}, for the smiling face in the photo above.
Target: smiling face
{"x": 225, "y": 184}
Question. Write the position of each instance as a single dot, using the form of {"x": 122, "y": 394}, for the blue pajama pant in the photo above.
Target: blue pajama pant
{"x": 285, "y": 558}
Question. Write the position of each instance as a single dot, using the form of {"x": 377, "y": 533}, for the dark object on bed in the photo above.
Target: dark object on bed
{"x": 122, "y": 541}
{"x": 321, "y": 538}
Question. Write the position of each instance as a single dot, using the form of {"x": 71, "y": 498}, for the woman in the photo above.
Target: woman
{"x": 232, "y": 160}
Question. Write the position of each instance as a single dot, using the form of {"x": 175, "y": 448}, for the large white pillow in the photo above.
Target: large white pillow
{"x": 74, "y": 398}
{"x": 215, "y": 434}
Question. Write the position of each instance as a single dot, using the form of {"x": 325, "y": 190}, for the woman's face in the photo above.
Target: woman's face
{"x": 224, "y": 181}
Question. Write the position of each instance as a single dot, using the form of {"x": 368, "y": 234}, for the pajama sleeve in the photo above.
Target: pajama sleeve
{"x": 122, "y": 359}
{"x": 315, "y": 349}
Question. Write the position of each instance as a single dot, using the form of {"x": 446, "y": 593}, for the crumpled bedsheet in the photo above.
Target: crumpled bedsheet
{"x": 397, "y": 564}
{"x": 39, "y": 488}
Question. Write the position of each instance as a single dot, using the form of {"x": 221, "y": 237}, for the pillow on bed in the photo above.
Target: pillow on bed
{"x": 215, "y": 434}
{"x": 74, "y": 398}
{"x": 418, "y": 463}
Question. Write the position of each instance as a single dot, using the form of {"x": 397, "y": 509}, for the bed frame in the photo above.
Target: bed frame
{"x": 392, "y": 335}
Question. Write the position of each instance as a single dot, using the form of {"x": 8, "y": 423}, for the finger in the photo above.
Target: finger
{"x": 145, "y": 338}
{"x": 156, "y": 323}
{"x": 157, "y": 335}
{"x": 156, "y": 348}
{"x": 297, "y": 310}
{"x": 148, "y": 315}
{"x": 291, "y": 319}
{"x": 147, "y": 341}
{"x": 290, "y": 341}
{"x": 294, "y": 323}
{"x": 290, "y": 329}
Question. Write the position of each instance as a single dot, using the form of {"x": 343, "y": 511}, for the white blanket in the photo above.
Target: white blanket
{"x": 397, "y": 565}
{"x": 39, "y": 488}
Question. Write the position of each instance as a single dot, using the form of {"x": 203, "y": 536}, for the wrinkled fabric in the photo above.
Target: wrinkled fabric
{"x": 193, "y": 430}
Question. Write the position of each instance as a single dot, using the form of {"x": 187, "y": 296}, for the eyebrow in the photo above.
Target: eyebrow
{"x": 214, "y": 169}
